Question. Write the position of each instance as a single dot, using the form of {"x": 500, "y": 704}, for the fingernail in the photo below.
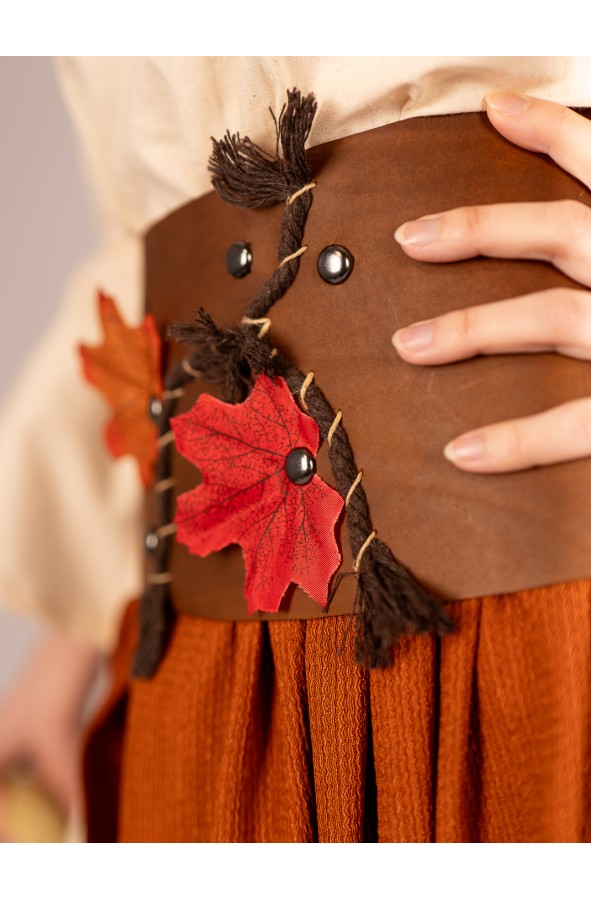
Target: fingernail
{"x": 418, "y": 233}
{"x": 508, "y": 104}
{"x": 465, "y": 449}
{"x": 415, "y": 337}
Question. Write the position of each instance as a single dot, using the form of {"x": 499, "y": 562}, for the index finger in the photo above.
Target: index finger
{"x": 544, "y": 126}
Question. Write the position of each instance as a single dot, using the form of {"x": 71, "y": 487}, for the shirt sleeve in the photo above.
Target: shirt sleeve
{"x": 70, "y": 519}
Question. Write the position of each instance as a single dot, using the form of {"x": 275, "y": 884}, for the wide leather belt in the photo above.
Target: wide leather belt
{"x": 461, "y": 534}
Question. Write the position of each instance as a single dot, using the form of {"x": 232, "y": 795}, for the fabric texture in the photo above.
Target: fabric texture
{"x": 259, "y": 732}
{"x": 70, "y": 525}
{"x": 144, "y": 127}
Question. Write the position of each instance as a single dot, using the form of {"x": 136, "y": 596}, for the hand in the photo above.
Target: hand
{"x": 40, "y": 719}
{"x": 557, "y": 319}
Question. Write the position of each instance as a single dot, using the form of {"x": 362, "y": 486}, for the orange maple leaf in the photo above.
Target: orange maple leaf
{"x": 126, "y": 369}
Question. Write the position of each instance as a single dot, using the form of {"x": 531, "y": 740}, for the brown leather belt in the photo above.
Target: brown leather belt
{"x": 461, "y": 534}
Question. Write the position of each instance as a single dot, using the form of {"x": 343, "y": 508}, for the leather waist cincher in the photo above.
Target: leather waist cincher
{"x": 461, "y": 534}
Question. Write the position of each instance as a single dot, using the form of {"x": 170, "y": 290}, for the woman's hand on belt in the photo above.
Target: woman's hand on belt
{"x": 558, "y": 319}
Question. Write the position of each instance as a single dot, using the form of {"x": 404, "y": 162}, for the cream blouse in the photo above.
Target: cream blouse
{"x": 71, "y": 516}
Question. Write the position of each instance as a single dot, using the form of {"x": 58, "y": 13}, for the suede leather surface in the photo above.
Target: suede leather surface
{"x": 462, "y": 534}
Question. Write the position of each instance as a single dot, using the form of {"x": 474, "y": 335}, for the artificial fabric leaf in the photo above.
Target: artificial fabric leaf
{"x": 286, "y": 530}
{"x": 126, "y": 369}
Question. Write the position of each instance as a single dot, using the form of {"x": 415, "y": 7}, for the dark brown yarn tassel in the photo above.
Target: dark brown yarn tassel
{"x": 391, "y": 603}
{"x": 246, "y": 175}
{"x": 217, "y": 354}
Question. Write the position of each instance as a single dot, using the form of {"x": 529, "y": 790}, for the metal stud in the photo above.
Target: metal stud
{"x": 155, "y": 408}
{"x": 300, "y": 465}
{"x": 239, "y": 259}
{"x": 334, "y": 264}
{"x": 151, "y": 541}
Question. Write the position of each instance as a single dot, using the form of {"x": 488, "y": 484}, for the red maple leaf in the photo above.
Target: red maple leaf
{"x": 126, "y": 369}
{"x": 285, "y": 529}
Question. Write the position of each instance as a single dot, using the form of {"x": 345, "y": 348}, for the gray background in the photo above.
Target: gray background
{"x": 46, "y": 228}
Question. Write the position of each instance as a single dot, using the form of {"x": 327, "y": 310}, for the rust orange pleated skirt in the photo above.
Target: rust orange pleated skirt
{"x": 259, "y": 732}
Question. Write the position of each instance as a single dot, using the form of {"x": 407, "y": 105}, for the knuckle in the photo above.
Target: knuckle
{"x": 465, "y": 324}
{"x": 574, "y": 219}
{"x": 568, "y": 310}
{"x": 472, "y": 216}
{"x": 556, "y": 123}
{"x": 582, "y": 421}
{"x": 577, "y": 312}
{"x": 514, "y": 442}
{"x": 554, "y": 118}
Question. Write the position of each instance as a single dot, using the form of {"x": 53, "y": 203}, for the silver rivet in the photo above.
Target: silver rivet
{"x": 300, "y": 466}
{"x": 151, "y": 541}
{"x": 239, "y": 259}
{"x": 334, "y": 264}
{"x": 155, "y": 408}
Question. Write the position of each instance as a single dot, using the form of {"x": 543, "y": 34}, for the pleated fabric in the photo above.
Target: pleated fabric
{"x": 262, "y": 732}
